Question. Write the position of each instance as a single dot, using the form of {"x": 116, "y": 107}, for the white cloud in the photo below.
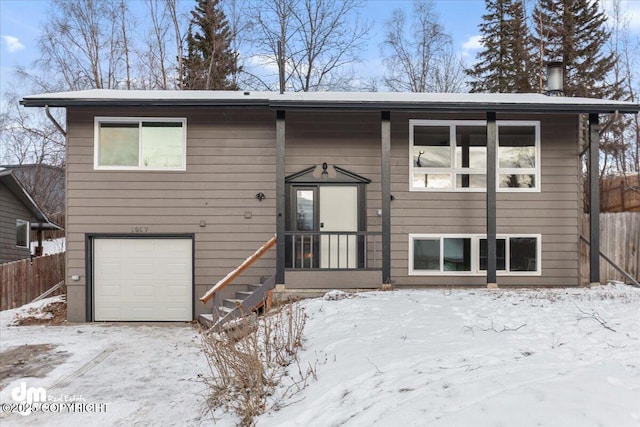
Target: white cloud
{"x": 472, "y": 43}
{"x": 12, "y": 43}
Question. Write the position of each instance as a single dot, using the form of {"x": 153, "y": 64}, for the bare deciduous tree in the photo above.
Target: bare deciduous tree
{"x": 83, "y": 42}
{"x": 418, "y": 53}
{"x": 318, "y": 39}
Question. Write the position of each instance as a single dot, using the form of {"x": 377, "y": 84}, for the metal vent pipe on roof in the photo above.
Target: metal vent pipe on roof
{"x": 554, "y": 79}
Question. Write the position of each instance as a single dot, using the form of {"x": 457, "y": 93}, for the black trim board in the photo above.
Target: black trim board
{"x": 90, "y": 237}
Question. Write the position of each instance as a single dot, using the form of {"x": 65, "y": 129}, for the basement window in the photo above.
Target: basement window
{"x": 452, "y": 155}
{"x": 140, "y": 143}
{"x": 23, "y": 229}
{"x": 466, "y": 254}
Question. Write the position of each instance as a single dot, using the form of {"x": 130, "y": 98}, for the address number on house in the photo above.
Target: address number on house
{"x": 140, "y": 229}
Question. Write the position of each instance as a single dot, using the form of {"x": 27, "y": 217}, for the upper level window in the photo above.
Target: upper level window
{"x": 22, "y": 233}
{"x": 452, "y": 155}
{"x": 140, "y": 143}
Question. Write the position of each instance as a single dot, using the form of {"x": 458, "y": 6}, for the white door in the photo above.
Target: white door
{"x": 338, "y": 212}
{"x": 142, "y": 279}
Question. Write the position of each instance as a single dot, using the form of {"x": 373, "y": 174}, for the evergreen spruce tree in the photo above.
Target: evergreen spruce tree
{"x": 574, "y": 32}
{"x": 505, "y": 63}
{"x": 210, "y": 61}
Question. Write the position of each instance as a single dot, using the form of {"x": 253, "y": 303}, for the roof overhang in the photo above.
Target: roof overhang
{"x": 356, "y": 101}
{"x": 15, "y": 187}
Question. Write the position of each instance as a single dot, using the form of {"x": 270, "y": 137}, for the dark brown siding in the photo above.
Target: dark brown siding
{"x": 11, "y": 209}
{"x": 230, "y": 158}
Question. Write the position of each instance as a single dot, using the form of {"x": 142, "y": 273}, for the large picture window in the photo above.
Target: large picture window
{"x": 465, "y": 254}
{"x": 140, "y": 143}
{"x": 452, "y": 155}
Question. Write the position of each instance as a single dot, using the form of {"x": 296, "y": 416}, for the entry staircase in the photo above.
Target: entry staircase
{"x": 245, "y": 302}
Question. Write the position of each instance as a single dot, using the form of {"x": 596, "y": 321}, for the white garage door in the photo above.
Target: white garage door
{"x": 142, "y": 279}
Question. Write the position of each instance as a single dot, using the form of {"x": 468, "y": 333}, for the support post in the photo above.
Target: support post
{"x": 492, "y": 137}
{"x": 385, "y": 130}
{"x": 280, "y": 197}
{"x": 594, "y": 199}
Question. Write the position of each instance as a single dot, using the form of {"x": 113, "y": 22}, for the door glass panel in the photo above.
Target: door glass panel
{"x": 304, "y": 210}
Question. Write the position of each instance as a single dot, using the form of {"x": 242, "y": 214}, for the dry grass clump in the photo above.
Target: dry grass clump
{"x": 250, "y": 360}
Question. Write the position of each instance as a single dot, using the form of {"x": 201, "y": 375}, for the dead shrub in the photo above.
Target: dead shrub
{"x": 249, "y": 361}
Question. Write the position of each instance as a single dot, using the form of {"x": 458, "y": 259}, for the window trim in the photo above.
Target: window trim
{"x": 453, "y": 171}
{"x": 109, "y": 119}
{"x": 475, "y": 255}
{"x": 20, "y": 222}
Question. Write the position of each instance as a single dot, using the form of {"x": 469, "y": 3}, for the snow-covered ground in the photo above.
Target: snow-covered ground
{"x": 563, "y": 357}
{"x": 50, "y": 247}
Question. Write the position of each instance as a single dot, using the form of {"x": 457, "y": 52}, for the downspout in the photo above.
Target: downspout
{"x": 53, "y": 120}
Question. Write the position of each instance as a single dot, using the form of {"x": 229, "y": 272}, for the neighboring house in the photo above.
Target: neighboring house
{"x": 45, "y": 183}
{"x": 19, "y": 214}
{"x": 167, "y": 192}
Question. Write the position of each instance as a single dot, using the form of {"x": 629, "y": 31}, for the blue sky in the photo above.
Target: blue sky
{"x": 20, "y": 21}
{"x": 20, "y": 27}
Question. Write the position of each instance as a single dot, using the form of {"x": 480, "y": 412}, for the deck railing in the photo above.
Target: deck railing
{"x": 333, "y": 250}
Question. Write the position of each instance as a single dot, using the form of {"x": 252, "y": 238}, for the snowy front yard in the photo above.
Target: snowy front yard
{"x": 436, "y": 358}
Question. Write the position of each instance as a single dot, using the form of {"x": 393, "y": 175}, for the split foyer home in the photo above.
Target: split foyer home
{"x": 169, "y": 191}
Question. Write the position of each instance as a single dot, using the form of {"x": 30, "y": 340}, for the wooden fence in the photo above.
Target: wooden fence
{"x": 23, "y": 281}
{"x": 619, "y": 240}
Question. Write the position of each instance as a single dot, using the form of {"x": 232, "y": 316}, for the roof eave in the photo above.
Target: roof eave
{"x": 456, "y": 107}
{"x": 110, "y": 102}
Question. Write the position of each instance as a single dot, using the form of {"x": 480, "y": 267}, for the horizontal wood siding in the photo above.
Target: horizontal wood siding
{"x": 350, "y": 141}
{"x": 553, "y": 212}
{"x": 230, "y": 158}
{"x": 11, "y": 209}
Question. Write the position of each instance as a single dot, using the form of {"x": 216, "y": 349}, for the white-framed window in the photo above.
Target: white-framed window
{"x": 466, "y": 254}
{"x": 452, "y": 155}
{"x": 140, "y": 143}
{"x": 23, "y": 229}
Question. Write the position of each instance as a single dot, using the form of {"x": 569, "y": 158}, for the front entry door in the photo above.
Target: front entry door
{"x": 338, "y": 213}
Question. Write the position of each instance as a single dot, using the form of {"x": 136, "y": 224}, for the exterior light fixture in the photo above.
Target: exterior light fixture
{"x": 325, "y": 174}
{"x": 260, "y": 196}
{"x": 554, "y": 79}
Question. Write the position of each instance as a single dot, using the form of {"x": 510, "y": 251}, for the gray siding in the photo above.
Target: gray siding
{"x": 553, "y": 212}
{"x": 230, "y": 158}
{"x": 11, "y": 209}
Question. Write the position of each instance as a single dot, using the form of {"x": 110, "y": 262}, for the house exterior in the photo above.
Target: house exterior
{"x": 19, "y": 214}
{"x": 45, "y": 184}
{"x": 167, "y": 192}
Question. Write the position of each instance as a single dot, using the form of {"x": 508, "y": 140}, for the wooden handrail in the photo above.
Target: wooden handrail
{"x": 238, "y": 271}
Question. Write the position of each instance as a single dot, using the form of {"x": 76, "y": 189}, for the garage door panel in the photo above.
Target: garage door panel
{"x": 143, "y": 279}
